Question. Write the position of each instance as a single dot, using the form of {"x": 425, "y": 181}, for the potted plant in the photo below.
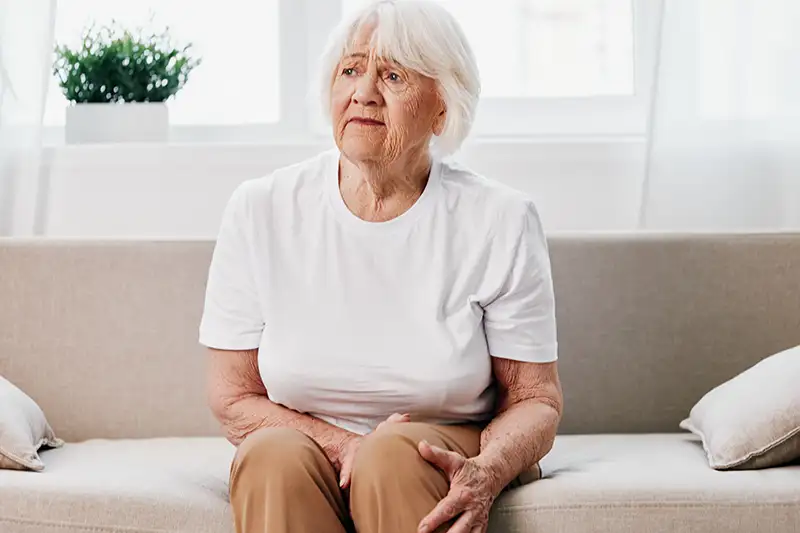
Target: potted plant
{"x": 117, "y": 83}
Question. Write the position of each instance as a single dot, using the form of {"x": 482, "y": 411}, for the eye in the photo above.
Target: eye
{"x": 393, "y": 76}
{"x": 348, "y": 71}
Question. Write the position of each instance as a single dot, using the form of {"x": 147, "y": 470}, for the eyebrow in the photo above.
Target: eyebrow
{"x": 383, "y": 60}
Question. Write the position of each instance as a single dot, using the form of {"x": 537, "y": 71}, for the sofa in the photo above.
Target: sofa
{"x": 103, "y": 335}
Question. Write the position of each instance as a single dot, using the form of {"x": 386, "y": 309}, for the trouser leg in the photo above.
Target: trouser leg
{"x": 393, "y": 488}
{"x": 282, "y": 482}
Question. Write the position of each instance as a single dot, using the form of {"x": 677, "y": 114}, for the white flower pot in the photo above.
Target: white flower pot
{"x": 116, "y": 123}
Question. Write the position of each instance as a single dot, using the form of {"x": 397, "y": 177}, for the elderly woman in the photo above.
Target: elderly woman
{"x": 380, "y": 323}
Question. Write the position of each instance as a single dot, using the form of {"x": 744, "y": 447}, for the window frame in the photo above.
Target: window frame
{"x": 303, "y": 29}
{"x": 583, "y": 116}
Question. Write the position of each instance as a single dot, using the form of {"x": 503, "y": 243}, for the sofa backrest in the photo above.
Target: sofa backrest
{"x": 104, "y": 334}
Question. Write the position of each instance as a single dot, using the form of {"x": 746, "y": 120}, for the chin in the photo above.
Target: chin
{"x": 361, "y": 150}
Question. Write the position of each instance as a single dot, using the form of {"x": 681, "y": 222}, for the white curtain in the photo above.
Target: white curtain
{"x": 724, "y": 146}
{"x": 26, "y": 46}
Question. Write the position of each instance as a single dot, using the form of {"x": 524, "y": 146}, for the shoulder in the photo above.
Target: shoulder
{"x": 509, "y": 211}
{"x": 282, "y": 185}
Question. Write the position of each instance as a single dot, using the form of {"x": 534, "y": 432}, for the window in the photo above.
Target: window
{"x": 237, "y": 82}
{"x": 559, "y": 67}
{"x": 547, "y": 48}
{"x": 548, "y": 67}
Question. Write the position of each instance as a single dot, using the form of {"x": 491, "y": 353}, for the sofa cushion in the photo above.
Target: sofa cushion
{"x": 135, "y": 486}
{"x": 601, "y": 483}
{"x": 654, "y": 483}
{"x": 752, "y": 420}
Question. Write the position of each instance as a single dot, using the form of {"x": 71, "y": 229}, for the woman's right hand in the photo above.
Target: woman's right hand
{"x": 351, "y": 447}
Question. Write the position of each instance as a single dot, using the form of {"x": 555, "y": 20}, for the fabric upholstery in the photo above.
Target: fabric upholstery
{"x": 602, "y": 483}
{"x": 752, "y": 420}
{"x": 116, "y": 323}
{"x": 679, "y": 313}
{"x": 650, "y": 322}
{"x": 647, "y": 483}
{"x": 147, "y": 485}
{"x": 104, "y": 336}
{"x": 23, "y": 429}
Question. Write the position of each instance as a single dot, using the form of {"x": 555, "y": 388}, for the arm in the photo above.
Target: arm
{"x": 523, "y": 432}
{"x": 530, "y": 406}
{"x": 238, "y": 399}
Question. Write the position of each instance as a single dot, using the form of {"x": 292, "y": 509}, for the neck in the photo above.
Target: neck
{"x": 379, "y": 191}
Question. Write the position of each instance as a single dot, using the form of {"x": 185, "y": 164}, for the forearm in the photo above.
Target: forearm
{"x": 249, "y": 413}
{"x": 518, "y": 438}
{"x": 238, "y": 399}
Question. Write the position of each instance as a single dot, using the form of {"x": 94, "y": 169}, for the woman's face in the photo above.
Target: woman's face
{"x": 381, "y": 110}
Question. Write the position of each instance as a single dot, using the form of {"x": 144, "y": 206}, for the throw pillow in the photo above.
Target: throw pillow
{"x": 23, "y": 430}
{"x": 753, "y": 420}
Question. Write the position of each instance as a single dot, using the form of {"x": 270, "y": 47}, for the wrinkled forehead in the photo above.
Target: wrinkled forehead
{"x": 384, "y": 40}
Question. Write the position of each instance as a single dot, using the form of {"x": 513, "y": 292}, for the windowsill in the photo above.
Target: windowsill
{"x": 181, "y": 188}
{"x": 485, "y": 152}
{"x": 326, "y": 142}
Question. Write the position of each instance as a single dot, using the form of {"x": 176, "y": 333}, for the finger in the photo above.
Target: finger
{"x": 397, "y": 417}
{"x": 449, "y": 462}
{"x": 464, "y": 524}
{"x": 445, "y": 510}
{"x": 479, "y": 526}
{"x": 344, "y": 475}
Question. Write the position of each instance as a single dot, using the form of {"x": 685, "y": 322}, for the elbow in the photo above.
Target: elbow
{"x": 553, "y": 397}
{"x": 556, "y": 403}
{"x": 218, "y": 402}
{"x": 230, "y": 382}
{"x": 222, "y": 408}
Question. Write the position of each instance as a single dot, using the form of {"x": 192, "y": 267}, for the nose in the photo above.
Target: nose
{"x": 366, "y": 92}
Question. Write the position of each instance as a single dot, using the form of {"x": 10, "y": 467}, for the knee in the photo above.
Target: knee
{"x": 389, "y": 454}
{"x": 272, "y": 452}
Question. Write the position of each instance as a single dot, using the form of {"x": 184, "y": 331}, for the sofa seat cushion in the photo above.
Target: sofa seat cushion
{"x": 599, "y": 483}
{"x": 655, "y": 483}
{"x": 131, "y": 486}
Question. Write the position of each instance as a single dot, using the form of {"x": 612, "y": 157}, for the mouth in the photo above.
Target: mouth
{"x": 365, "y": 121}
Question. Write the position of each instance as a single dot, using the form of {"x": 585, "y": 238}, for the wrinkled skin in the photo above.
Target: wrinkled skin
{"x": 521, "y": 433}
{"x": 471, "y": 492}
{"x": 384, "y": 165}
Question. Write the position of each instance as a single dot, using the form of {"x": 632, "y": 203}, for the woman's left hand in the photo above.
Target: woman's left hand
{"x": 470, "y": 497}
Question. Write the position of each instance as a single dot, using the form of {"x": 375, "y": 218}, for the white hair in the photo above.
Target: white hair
{"x": 421, "y": 36}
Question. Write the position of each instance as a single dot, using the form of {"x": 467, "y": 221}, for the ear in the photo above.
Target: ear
{"x": 438, "y": 121}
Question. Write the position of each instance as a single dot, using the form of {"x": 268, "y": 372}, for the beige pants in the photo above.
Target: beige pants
{"x": 282, "y": 482}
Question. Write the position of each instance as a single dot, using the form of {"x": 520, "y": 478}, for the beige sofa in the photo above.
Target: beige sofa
{"x": 104, "y": 336}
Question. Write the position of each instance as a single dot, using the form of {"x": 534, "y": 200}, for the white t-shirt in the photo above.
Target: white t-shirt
{"x": 357, "y": 320}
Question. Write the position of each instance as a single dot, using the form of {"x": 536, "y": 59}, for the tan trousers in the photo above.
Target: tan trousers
{"x": 281, "y": 481}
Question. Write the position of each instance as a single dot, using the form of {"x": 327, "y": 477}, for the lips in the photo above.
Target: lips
{"x": 366, "y": 121}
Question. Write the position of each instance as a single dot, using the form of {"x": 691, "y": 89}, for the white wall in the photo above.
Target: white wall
{"x": 180, "y": 190}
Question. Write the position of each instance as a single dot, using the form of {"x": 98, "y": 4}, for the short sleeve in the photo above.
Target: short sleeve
{"x": 520, "y": 322}
{"x": 232, "y": 318}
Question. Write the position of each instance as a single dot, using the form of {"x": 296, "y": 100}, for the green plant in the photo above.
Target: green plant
{"x": 114, "y": 65}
